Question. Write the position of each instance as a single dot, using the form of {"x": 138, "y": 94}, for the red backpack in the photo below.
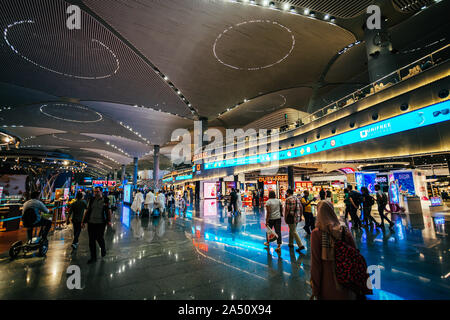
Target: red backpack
{"x": 351, "y": 267}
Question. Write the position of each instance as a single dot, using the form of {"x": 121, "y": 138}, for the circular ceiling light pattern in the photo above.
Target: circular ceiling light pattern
{"x": 229, "y": 29}
{"x": 59, "y": 109}
{"x": 5, "y": 37}
{"x": 70, "y": 140}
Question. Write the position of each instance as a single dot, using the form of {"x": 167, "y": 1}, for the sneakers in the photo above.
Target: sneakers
{"x": 74, "y": 246}
{"x": 103, "y": 253}
{"x": 266, "y": 244}
{"x": 300, "y": 249}
{"x": 278, "y": 250}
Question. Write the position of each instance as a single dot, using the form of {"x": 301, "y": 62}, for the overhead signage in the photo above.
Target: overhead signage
{"x": 436, "y": 201}
{"x": 103, "y": 183}
{"x": 185, "y": 177}
{"x": 274, "y": 178}
{"x": 347, "y": 170}
{"x": 168, "y": 180}
{"x": 430, "y": 115}
{"x": 199, "y": 156}
{"x": 303, "y": 184}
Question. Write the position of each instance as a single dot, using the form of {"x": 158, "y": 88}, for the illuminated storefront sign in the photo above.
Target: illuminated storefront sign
{"x": 168, "y": 180}
{"x": 436, "y": 201}
{"x": 420, "y": 118}
{"x": 275, "y": 178}
{"x": 185, "y": 177}
{"x": 347, "y": 170}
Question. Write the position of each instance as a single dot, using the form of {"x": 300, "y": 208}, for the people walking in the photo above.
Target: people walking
{"x": 137, "y": 202}
{"x": 233, "y": 201}
{"x": 367, "y": 203}
{"x": 96, "y": 217}
{"x": 149, "y": 200}
{"x": 324, "y": 283}
{"x": 382, "y": 202}
{"x": 293, "y": 211}
{"x": 355, "y": 203}
{"x": 307, "y": 212}
{"x": 76, "y": 213}
{"x": 273, "y": 218}
{"x": 322, "y": 194}
{"x": 329, "y": 195}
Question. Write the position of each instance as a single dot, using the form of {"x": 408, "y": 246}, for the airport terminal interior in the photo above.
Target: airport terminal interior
{"x": 205, "y": 150}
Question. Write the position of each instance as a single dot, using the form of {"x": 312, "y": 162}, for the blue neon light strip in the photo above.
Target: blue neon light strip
{"x": 168, "y": 179}
{"x": 420, "y": 118}
{"x": 184, "y": 177}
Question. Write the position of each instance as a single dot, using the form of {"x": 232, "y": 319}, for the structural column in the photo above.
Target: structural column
{"x": 123, "y": 173}
{"x": 291, "y": 184}
{"x": 156, "y": 149}
{"x": 380, "y": 58}
{"x": 115, "y": 175}
{"x": 135, "y": 172}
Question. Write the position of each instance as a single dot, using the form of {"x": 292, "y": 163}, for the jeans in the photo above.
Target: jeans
{"x": 96, "y": 232}
{"x": 353, "y": 214}
{"x": 382, "y": 215}
{"x": 309, "y": 222}
{"x": 294, "y": 235}
{"x": 367, "y": 216}
{"x": 45, "y": 223}
{"x": 277, "y": 224}
{"x": 76, "y": 231}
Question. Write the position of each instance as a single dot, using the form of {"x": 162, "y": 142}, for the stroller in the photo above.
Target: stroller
{"x": 34, "y": 243}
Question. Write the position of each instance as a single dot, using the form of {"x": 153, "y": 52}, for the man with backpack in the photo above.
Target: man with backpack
{"x": 382, "y": 201}
{"x": 292, "y": 216}
{"x": 367, "y": 203}
{"x": 32, "y": 217}
{"x": 355, "y": 203}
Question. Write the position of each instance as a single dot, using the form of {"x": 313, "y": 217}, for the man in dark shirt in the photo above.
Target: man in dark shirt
{"x": 96, "y": 219}
{"x": 76, "y": 213}
{"x": 355, "y": 203}
{"x": 233, "y": 200}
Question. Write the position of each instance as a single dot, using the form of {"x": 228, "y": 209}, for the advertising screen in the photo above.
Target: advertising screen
{"x": 436, "y": 201}
{"x": 66, "y": 193}
{"x": 359, "y": 178}
{"x": 59, "y": 194}
{"x": 1, "y": 192}
{"x": 209, "y": 190}
{"x": 405, "y": 182}
{"x": 369, "y": 181}
{"x": 127, "y": 193}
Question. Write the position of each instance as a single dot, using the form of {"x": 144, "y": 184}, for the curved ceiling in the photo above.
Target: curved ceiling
{"x": 219, "y": 53}
{"x": 138, "y": 70}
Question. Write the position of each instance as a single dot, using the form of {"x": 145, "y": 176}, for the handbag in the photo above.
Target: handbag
{"x": 271, "y": 235}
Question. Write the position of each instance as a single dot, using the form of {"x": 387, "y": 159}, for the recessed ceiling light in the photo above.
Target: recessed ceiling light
{"x": 306, "y": 11}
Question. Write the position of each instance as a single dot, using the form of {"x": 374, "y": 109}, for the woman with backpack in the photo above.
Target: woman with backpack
{"x": 323, "y": 266}
{"x": 367, "y": 203}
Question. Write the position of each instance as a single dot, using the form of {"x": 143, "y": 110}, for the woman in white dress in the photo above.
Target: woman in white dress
{"x": 137, "y": 202}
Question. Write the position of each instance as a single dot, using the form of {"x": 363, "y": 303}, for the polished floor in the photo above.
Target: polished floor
{"x": 208, "y": 254}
